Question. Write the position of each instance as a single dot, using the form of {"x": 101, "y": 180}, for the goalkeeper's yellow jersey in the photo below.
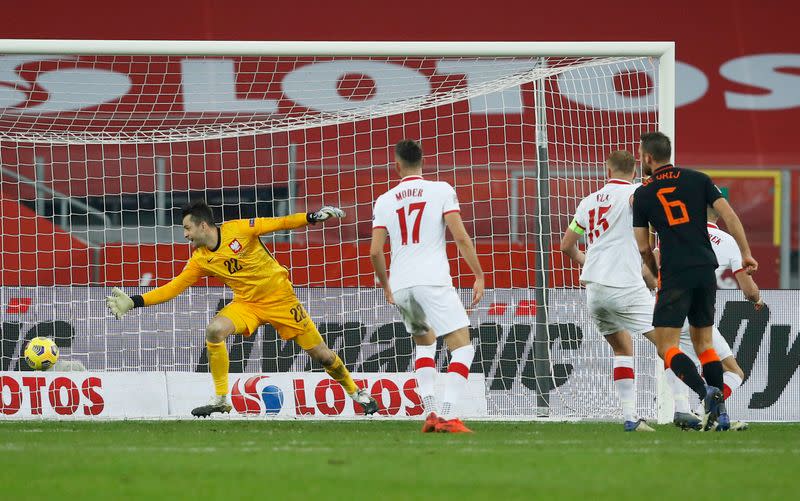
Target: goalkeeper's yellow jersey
{"x": 240, "y": 260}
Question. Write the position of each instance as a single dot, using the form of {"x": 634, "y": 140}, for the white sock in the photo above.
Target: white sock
{"x": 425, "y": 371}
{"x": 732, "y": 382}
{"x": 457, "y": 374}
{"x": 680, "y": 392}
{"x": 625, "y": 385}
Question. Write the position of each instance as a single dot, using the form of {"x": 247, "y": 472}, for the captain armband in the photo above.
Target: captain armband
{"x": 574, "y": 226}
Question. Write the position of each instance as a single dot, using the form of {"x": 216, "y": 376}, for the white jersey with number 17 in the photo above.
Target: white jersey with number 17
{"x": 413, "y": 214}
{"x": 605, "y": 217}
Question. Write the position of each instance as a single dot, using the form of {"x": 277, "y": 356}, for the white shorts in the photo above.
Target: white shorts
{"x": 432, "y": 307}
{"x": 620, "y": 308}
{"x": 720, "y": 345}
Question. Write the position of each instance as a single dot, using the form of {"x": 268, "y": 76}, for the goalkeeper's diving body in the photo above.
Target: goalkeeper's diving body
{"x": 262, "y": 293}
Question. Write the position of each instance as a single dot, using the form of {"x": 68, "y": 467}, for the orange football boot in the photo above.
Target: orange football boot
{"x": 430, "y": 423}
{"x": 451, "y": 426}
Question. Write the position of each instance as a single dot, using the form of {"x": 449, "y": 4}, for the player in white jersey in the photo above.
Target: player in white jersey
{"x": 729, "y": 258}
{"x": 413, "y": 215}
{"x": 616, "y": 294}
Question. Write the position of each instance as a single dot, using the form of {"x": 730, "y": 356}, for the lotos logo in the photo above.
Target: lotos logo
{"x": 65, "y": 396}
{"x": 248, "y": 401}
{"x": 396, "y": 396}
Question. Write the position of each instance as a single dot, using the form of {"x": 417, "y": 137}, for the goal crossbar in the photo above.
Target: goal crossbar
{"x": 331, "y": 48}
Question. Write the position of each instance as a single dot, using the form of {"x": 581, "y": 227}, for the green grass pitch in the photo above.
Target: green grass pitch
{"x": 248, "y": 459}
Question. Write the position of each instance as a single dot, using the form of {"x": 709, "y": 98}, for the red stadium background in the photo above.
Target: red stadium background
{"x": 738, "y": 112}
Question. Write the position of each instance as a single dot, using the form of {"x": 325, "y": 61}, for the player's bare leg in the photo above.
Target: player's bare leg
{"x": 337, "y": 370}
{"x": 624, "y": 382}
{"x": 216, "y": 332}
{"x": 461, "y": 354}
{"x": 425, "y": 372}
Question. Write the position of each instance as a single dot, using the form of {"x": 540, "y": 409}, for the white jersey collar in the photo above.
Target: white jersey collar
{"x": 410, "y": 178}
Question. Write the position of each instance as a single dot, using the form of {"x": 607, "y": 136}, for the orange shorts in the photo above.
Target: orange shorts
{"x": 286, "y": 315}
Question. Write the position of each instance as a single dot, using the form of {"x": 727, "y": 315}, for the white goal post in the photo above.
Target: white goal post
{"x": 101, "y": 142}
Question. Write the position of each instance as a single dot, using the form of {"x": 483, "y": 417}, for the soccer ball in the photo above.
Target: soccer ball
{"x": 41, "y": 353}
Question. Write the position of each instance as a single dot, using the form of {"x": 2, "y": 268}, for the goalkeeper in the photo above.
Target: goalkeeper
{"x": 262, "y": 293}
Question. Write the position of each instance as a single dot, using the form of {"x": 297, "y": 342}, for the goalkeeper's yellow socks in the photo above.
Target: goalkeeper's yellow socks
{"x": 219, "y": 363}
{"x": 339, "y": 372}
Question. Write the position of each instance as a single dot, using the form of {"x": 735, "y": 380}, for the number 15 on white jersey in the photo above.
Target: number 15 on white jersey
{"x": 606, "y": 218}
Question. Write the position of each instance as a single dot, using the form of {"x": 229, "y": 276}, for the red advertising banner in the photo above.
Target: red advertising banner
{"x": 738, "y": 66}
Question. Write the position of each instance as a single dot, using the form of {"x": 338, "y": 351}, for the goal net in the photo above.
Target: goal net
{"x": 98, "y": 152}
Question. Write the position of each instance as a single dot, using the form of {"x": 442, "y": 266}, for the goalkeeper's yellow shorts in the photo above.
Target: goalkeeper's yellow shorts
{"x": 286, "y": 315}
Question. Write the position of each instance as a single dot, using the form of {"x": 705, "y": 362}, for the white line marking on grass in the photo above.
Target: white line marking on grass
{"x": 312, "y": 450}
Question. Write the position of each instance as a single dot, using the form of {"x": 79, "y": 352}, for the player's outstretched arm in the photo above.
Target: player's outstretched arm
{"x": 736, "y": 229}
{"x": 569, "y": 246}
{"x": 120, "y": 303}
{"x": 264, "y": 225}
{"x": 750, "y": 289}
{"x": 379, "y": 261}
{"x": 467, "y": 251}
{"x": 650, "y": 280}
{"x": 642, "y": 235}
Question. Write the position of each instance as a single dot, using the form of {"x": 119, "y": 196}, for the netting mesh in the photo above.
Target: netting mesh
{"x": 99, "y": 153}
{"x": 137, "y": 99}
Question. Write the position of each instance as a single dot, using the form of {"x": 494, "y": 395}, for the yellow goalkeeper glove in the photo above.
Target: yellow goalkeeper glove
{"x": 119, "y": 303}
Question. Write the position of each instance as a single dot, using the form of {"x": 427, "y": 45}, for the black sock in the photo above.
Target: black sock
{"x": 684, "y": 368}
{"x": 712, "y": 371}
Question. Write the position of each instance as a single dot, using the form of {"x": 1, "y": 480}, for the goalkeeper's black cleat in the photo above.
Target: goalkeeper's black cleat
{"x": 365, "y": 400}
{"x": 217, "y": 404}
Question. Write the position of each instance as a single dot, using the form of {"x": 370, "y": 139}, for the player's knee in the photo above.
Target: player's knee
{"x": 621, "y": 343}
{"x": 215, "y": 332}
{"x": 424, "y": 337}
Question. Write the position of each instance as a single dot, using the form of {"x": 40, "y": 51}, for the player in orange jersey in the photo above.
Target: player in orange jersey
{"x": 262, "y": 293}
